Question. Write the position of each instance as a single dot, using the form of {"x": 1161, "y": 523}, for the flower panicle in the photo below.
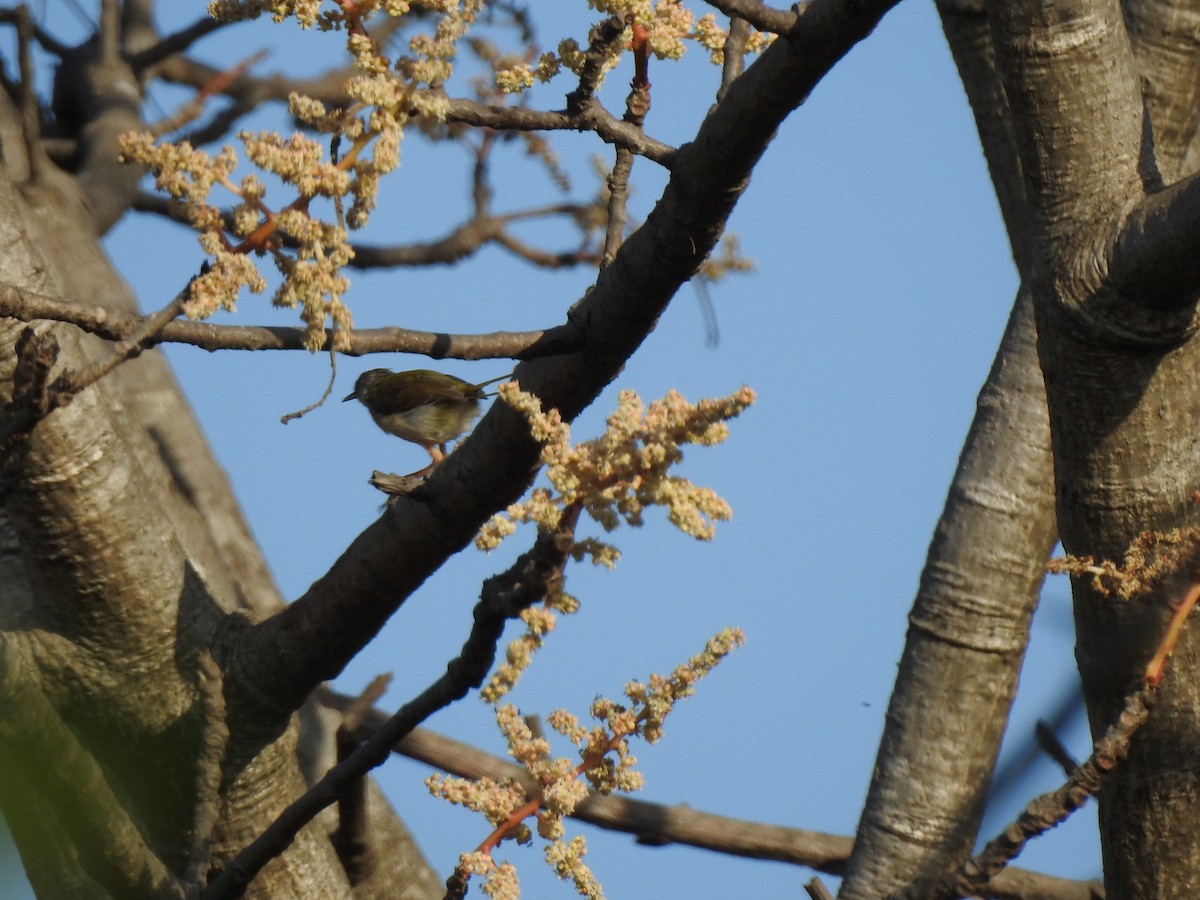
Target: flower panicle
{"x": 605, "y": 764}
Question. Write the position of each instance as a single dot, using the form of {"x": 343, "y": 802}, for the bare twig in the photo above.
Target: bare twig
{"x": 361, "y": 707}
{"x": 176, "y": 42}
{"x": 1053, "y": 807}
{"x": 601, "y": 38}
{"x": 817, "y": 891}
{"x": 352, "y": 839}
{"x": 119, "y": 326}
{"x": 734, "y": 54}
{"x": 300, "y": 413}
{"x": 458, "y": 244}
{"x": 191, "y": 110}
{"x": 145, "y": 334}
{"x": 590, "y": 116}
{"x": 503, "y": 597}
{"x": 1179, "y": 614}
{"x": 637, "y": 105}
{"x": 1053, "y": 747}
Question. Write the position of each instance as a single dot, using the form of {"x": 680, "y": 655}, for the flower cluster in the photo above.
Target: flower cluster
{"x": 628, "y": 468}
{"x": 386, "y": 94}
{"x": 1152, "y": 557}
{"x": 604, "y": 760}
{"x": 668, "y": 23}
{"x": 613, "y": 478}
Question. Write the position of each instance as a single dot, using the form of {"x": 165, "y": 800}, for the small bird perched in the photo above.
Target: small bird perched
{"x": 422, "y": 406}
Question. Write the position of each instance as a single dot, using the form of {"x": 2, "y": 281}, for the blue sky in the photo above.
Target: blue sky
{"x": 883, "y": 284}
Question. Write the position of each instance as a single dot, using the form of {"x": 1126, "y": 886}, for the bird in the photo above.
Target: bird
{"x": 422, "y": 406}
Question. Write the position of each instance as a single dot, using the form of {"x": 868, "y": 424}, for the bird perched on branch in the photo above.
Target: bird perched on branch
{"x": 422, "y": 406}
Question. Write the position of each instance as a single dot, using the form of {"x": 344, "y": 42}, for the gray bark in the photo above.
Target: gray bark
{"x": 123, "y": 553}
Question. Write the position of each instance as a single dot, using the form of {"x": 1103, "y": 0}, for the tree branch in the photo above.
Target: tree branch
{"x": 1163, "y": 36}
{"x": 760, "y": 15}
{"x": 969, "y": 626}
{"x": 121, "y": 326}
{"x": 42, "y": 750}
{"x": 503, "y": 598}
{"x": 459, "y": 243}
{"x": 590, "y": 116}
{"x": 1052, "y": 808}
{"x": 176, "y": 42}
{"x": 285, "y": 657}
{"x": 655, "y": 824}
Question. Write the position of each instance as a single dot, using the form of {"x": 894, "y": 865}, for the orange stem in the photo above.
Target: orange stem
{"x": 1158, "y": 665}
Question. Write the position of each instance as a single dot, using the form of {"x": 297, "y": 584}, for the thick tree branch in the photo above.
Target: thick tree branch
{"x": 309, "y": 642}
{"x": 1168, "y": 58}
{"x": 968, "y": 630}
{"x": 1071, "y": 80}
{"x": 1155, "y": 264}
{"x": 965, "y": 24}
{"x": 176, "y": 42}
{"x": 1120, "y": 373}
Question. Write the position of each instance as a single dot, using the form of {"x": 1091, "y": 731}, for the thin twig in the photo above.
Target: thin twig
{"x": 1053, "y": 807}
{"x": 637, "y": 105}
{"x": 176, "y": 42}
{"x": 287, "y": 417}
{"x": 143, "y": 336}
{"x": 1050, "y": 744}
{"x": 457, "y": 244}
{"x": 817, "y": 891}
{"x": 503, "y": 597}
{"x": 191, "y": 110}
{"x": 1179, "y": 614}
{"x": 734, "y": 54}
{"x": 589, "y": 116}
{"x": 120, "y": 326}
{"x": 601, "y": 38}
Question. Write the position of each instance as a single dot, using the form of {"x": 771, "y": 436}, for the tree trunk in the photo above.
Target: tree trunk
{"x": 124, "y": 553}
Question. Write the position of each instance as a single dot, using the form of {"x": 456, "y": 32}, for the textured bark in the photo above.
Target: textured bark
{"x": 969, "y": 625}
{"x": 967, "y": 635}
{"x": 123, "y": 552}
{"x": 1114, "y": 293}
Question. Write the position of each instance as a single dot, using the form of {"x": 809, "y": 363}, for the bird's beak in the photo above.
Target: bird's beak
{"x": 353, "y": 395}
